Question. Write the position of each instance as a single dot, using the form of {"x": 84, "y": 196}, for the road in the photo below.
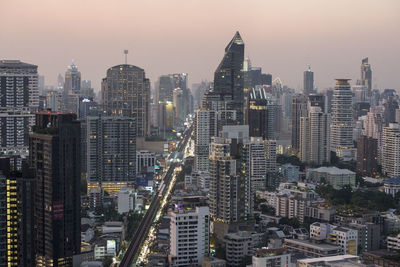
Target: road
{"x": 141, "y": 232}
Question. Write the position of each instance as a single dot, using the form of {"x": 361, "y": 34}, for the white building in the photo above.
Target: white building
{"x": 392, "y": 186}
{"x": 189, "y": 236}
{"x": 272, "y": 257}
{"x": 315, "y": 136}
{"x": 341, "y": 127}
{"x": 205, "y": 127}
{"x": 333, "y": 176}
{"x": 126, "y": 200}
{"x": 344, "y": 237}
{"x": 339, "y": 260}
{"x": 393, "y": 242}
{"x": 390, "y": 156}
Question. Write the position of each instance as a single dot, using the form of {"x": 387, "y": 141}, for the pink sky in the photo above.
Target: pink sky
{"x": 168, "y": 36}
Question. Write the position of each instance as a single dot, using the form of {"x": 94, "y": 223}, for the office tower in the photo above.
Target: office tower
{"x": 205, "y": 127}
{"x": 299, "y": 109}
{"x": 374, "y": 122}
{"x": 248, "y": 75}
{"x": 367, "y": 155}
{"x": 366, "y": 74}
{"x": 19, "y": 99}
{"x": 342, "y": 128}
{"x": 286, "y": 103}
{"x": 263, "y": 114}
{"x": 189, "y": 244}
{"x": 54, "y": 149}
{"x": 314, "y": 137}
{"x": 166, "y": 118}
{"x": 111, "y": 153}
{"x": 308, "y": 82}
{"x": 228, "y": 77}
{"x": 72, "y": 83}
{"x": 86, "y": 90}
{"x": 54, "y": 100}
{"x": 254, "y": 157}
{"x": 126, "y": 92}
{"x": 230, "y": 198}
{"x": 41, "y": 84}
{"x": 390, "y": 157}
{"x": 361, "y": 93}
{"x": 60, "y": 82}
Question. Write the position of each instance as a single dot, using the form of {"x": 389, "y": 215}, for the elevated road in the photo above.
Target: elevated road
{"x": 143, "y": 229}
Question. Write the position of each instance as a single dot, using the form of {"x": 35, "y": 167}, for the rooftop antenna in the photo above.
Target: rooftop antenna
{"x": 126, "y": 56}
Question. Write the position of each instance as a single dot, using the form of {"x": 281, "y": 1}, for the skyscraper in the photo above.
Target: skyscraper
{"x": 228, "y": 77}
{"x": 367, "y": 155}
{"x": 126, "y": 92}
{"x": 111, "y": 152}
{"x": 366, "y": 74}
{"x": 314, "y": 137}
{"x": 19, "y": 99}
{"x": 205, "y": 127}
{"x": 342, "y": 114}
{"x": 72, "y": 88}
{"x": 308, "y": 82}
{"x": 54, "y": 148}
{"x": 299, "y": 109}
{"x": 390, "y": 157}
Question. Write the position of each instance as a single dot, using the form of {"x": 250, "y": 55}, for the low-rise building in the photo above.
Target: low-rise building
{"x": 289, "y": 172}
{"x": 340, "y": 260}
{"x": 238, "y": 248}
{"x": 272, "y": 257}
{"x": 209, "y": 261}
{"x": 126, "y": 200}
{"x": 393, "y": 243}
{"x": 392, "y": 186}
{"x": 311, "y": 247}
{"x": 333, "y": 176}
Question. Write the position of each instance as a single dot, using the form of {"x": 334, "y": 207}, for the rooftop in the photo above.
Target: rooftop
{"x": 333, "y": 170}
{"x": 329, "y": 259}
{"x": 393, "y": 180}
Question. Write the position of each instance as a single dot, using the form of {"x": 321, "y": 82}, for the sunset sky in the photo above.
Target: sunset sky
{"x": 168, "y": 36}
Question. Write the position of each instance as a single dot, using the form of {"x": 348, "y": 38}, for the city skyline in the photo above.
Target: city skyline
{"x": 283, "y": 41}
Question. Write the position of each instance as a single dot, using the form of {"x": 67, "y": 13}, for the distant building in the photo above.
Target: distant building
{"x": 340, "y": 260}
{"x": 315, "y": 137}
{"x": 19, "y": 100}
{"x": 299, "y": 109}
{"x": 341, "y": 128}
{"x": 333, "y": 176}
{"x": 308, "y": 82}
{"x": 390, "y": 157}
{"x": 289, "y": 172}
{"x": 133, "y": 101}
{"x": 311, "y": 248}
{"x": 366, "y": 74}
{"x": 367, "y": 155}
{"x": 209, "y": 261}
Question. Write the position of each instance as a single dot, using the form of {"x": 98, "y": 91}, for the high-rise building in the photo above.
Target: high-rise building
{"x": 111, "y": 153}
{"x": 228, "y": 77}
{"x": 367, "y": 155}
{"x": 19, "y": 99}
{"x": 390, "y": 157}
{"x": 205, "y": 127}
{"x": 54, "y": 148}
{"x": 299, "y": 109}
{"x": 230, "y": 192}
{"x": 16, "y": 214}
{"x": 126, "y": 92}
{"x": 317, "y": 100}
{"x": 308, "y": 82}
{"x": 342, "y": 114}
{"x": 188, "y": 244}
{"x": 179, "y": 106}
{"x": 314, "y": 137}
{"x": 366, "y": 74}
{"x": 263, "y": 114}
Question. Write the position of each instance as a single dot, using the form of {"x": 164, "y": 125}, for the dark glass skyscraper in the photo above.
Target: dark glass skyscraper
{"x": 54, "y": 148}
{"x": 228, "y": 77}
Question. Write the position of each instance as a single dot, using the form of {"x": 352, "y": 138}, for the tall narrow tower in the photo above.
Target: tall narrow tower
{"x": 308, "y": 82}
{"x": 366, "y": 74}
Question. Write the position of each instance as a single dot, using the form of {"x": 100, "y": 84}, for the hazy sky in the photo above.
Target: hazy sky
{"x": 168, "y": 36}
